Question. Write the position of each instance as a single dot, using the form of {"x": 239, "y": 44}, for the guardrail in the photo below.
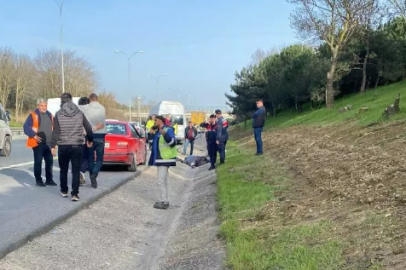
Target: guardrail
{"x": 17, "y": 131}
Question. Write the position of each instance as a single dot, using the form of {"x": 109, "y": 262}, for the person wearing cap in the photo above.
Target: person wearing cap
{"x": 68, "y": 135}
{"x": 211, "y": 134}
{"x": 258, "y": 122}
{"x": 163, "y": 156}
{"x": 222, "y": 135}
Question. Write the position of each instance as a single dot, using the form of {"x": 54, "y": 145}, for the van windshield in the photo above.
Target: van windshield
{"x": 177, "y": 119}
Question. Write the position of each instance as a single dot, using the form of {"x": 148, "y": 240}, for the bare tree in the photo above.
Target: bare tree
{"x": 80, "y": 78}
{"x": 334, "y": 22}
{"x": 7, "y": 58}
{"x": 24, "y": 82}
{"x": 398, "y": 7}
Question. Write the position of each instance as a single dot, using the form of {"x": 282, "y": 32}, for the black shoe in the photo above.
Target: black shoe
{"x": 161, "y": 205}
{"x": 64, "y": 194}
{"x": 221, "y": 162}
{"x": 93, "y": 181}
{"x": 50, "y": 183}
{"x": 75, "y": 198}
{"x": 212, "y": 168}
{"x": 40, "y": 184}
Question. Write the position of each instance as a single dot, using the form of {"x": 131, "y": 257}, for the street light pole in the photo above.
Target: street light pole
{"x": 129, "y": 73}
{"x": 60, "y": 5}
{"x": 139, "y": 114}
{"x": 157, "y": 82}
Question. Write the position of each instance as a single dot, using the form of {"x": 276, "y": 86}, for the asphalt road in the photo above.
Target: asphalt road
{"x": 19, "y": 154}
{"x": 27, "y": 210}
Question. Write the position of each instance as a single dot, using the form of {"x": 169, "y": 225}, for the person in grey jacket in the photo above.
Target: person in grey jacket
{"x": 68, "y": 135}
{"x": 96, "y": 114}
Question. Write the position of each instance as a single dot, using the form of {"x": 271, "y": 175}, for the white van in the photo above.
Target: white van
{"x": 177, "y": 112}
{"x": 54, "y": 104}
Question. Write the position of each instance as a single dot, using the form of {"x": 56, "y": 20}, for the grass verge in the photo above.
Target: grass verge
{"x": 246, "y": 184}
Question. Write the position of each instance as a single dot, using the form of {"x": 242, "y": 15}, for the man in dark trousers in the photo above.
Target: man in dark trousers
{"x": 258, "y": 122}
{"x": 38, "y": 128}
{"x": 190, "y": 136}
{"x": 68, "y": 135}
{"x": 96, "y": 114}
{"x": 211, "y": 134}
{"x": 222, "y": 135}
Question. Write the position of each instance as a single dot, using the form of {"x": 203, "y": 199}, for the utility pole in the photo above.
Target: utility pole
{"x": 129, "y": 74}
{"x": 60, "y": 5}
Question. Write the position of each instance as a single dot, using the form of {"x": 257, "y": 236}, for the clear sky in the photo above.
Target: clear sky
{"x": 199, "y": 44}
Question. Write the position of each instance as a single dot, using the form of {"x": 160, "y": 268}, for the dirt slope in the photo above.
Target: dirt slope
{"x": 352, "y": 176}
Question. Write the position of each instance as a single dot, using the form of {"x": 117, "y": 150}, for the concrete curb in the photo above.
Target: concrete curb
{"x": 12, "y": 247}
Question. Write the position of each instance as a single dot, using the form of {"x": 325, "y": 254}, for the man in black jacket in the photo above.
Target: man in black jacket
{"x": 258, "y": 122}
{"x": 222, "y": 135}
{"x": 211, "y": 135}
{"x": 68, "y": 135}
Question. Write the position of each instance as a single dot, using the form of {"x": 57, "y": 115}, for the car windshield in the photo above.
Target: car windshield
{"x": 117, "y": 129}
{"x": 177, "y": 119}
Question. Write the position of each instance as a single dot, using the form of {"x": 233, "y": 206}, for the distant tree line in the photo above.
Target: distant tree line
{"x": 24, "y": 79}
{"x": 357, "y": 45}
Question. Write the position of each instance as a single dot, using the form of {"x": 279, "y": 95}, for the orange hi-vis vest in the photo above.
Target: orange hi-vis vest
{"x": 32, "y": 142}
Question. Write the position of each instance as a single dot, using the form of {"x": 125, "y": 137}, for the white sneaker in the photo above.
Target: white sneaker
{"x": 82, "y": 179}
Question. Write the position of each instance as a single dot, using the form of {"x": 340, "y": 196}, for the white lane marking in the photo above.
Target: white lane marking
{"x": 20, "y": 165}
{"x": 17, "y": 165}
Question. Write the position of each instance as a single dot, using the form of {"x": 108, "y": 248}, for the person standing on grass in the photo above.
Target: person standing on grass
{"x": 96, "y": 114}
{"x": 190, "y": 136}
{"x": 258, "y": 122}
{"x": 163, "y": 155}
{"x": 38, "y": 128}
{"x": 68, "y": 135}
{"x": 222, "y": 135}
{"x": 211, "y": 134}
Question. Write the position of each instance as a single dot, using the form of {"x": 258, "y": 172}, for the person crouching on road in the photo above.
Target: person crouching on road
{"x": 163, "y": 155}
{"x": 211, "y": 133}
{"x": 38, "y": 128}
{"x": 190, "y": 136}
{"x": 68, "y": 135}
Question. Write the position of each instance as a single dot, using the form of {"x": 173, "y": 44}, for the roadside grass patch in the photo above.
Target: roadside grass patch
{"x": 243, "y": 190}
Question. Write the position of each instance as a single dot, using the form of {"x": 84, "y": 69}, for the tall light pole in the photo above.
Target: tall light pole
{"x": 157, "y": 82}
{"x": 60, "y": 5}
{"x": 139, "y": 113}
{"x": 129, "y": 72}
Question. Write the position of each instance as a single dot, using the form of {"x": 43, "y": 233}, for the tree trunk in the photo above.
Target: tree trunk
{"x": 17, "y": 100}
{"x": 377, "y": 80}
{"x": 330, "y": 81}
{"x": 364, "y": 70}
{"x": 273, "y": 109}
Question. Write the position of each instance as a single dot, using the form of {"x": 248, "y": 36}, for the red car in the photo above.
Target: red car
{"x": 124, "y": 145}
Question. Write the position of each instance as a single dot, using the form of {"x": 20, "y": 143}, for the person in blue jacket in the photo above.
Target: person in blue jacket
{"x": 258, "y": 122}
{"x": 163, "y": 155}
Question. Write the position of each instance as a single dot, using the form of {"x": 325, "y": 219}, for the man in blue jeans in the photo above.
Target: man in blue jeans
{"x": 96, "y": 114}
{"x": 258, "y": 122}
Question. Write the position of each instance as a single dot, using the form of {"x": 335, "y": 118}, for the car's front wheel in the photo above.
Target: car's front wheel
{"x": 6, "y": 151}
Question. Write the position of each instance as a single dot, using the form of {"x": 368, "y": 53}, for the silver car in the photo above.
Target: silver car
{"x": 5, "y": 133}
